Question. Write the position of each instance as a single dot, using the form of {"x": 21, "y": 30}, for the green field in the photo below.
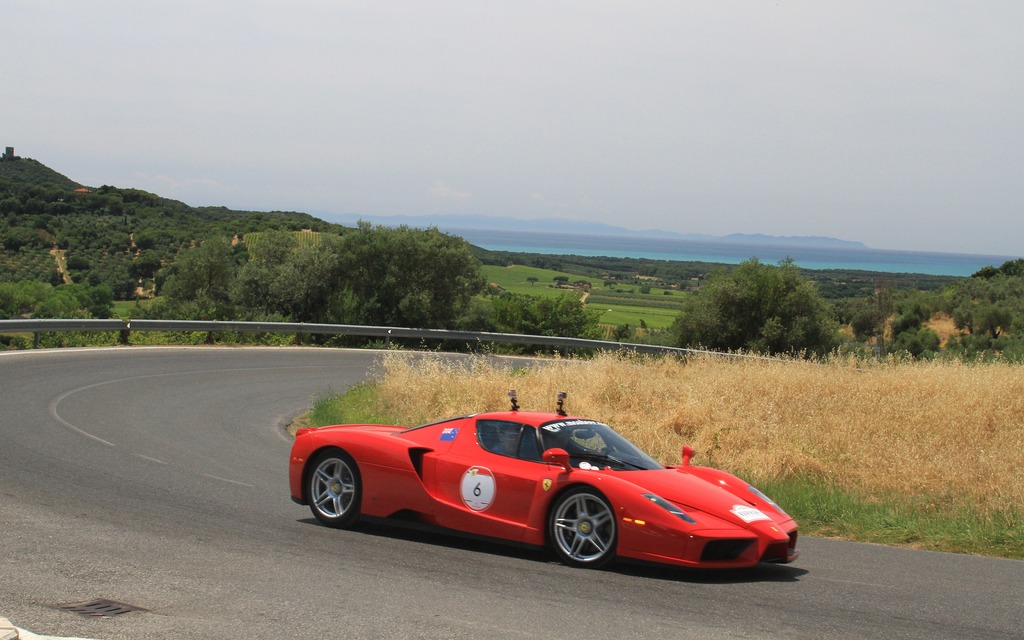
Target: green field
{"x": 515, "y": 280}
{"x": 622, "y": 304}
{"x": 124, "y": 308}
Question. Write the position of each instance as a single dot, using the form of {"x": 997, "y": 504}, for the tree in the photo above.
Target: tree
{"x": 562, "y": 316}
{"x": 19, "y": 237}
{"x": 97, "y": 301}
{"x": 1008, "y": 268}
{"x": 262, "y": 285}
{"x": 988, "y": 305}
{"x": 18, "y": 298}
{"x": 759, "y": 308}
{"x": 61, "y": 303}
{"x": 373, "y": 275}
{"x": 408, "y": 277}
{"x": 200, "y": 281}
{"x": 308, "y": 285}
{"x": 921, "y": 342}
{"x": 145, "y": 265}
{"x": 622, "y": 333}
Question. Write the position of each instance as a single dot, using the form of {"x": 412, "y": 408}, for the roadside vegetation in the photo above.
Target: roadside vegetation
{"x": 71, "y": 251}
{"x": 923, "y": 454}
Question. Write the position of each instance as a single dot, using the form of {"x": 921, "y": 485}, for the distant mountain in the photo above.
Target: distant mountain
{"x": 456, "y": 223}
{"x": 791, "y": 241}
{"x": 488, "y": 223}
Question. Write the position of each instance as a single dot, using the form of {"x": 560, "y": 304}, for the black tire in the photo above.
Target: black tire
{"x": 582, "y": 528}
{"x": 334, "y": 488}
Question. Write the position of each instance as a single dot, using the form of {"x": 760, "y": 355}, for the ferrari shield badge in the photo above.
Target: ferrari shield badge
{"x": 546, "y": 484}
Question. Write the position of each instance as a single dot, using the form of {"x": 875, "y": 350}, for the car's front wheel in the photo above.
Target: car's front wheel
{"x": 335, "y": 488}
{"x": 582, "y": 528}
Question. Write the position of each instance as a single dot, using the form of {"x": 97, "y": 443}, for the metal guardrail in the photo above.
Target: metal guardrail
{"x": 37, "y": 327}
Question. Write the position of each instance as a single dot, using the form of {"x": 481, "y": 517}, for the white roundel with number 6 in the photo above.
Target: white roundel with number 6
{"x": 478, "y": 488}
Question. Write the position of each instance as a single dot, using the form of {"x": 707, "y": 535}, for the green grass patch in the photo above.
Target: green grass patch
{"x": 650, "y": 300}
{"x": 515, "y": 280}
{"x": 358, "y": 405}
{"x": 614, "y": 314}
{"x": 125, "y": 308}
{"x": 922, "y": 522}
{"x": 821, "y": 510}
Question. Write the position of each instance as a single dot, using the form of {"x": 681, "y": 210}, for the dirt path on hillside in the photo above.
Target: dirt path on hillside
{"x": 62, "y": 265}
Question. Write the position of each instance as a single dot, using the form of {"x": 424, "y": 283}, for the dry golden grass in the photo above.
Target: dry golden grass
{"x": 950, "y": 431}
{"x": 942, "y": 324}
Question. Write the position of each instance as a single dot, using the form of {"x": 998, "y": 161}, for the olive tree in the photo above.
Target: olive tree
{"x": 757, "y": 307}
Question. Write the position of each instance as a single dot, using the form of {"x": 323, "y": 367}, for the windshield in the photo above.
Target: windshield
{"x": 595, "y": 443}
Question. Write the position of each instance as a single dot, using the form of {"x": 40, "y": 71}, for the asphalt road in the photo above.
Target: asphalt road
{"x": 157, "y": 477}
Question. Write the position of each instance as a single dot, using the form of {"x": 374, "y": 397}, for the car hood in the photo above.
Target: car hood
{"x": 692, "y": 492}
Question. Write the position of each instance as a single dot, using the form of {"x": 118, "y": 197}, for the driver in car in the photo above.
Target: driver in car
{"x": 508, "y": 442}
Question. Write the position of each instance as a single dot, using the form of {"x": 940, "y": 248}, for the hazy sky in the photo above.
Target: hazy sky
{"x": 898, "y": 124}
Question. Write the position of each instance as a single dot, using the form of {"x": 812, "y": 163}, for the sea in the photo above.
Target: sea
{"x": 723, "y": 252}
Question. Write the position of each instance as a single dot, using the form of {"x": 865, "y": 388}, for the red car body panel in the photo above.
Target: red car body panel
{"x": 424, "y": 474}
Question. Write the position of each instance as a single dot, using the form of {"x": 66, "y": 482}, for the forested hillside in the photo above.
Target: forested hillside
{"x": 107, "y": 235}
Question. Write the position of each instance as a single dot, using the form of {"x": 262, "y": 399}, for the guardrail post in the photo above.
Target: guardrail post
{"x": 35, "y": 339}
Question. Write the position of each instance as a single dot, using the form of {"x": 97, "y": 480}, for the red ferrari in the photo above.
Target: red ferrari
{"x": 540, "y": 478}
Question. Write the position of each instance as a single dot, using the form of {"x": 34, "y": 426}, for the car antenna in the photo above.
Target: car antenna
{"x": 512, "y": 397}
{"x": 561, "y": 403}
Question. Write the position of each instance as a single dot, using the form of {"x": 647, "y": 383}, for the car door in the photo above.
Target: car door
{"x": 489, "y": 483}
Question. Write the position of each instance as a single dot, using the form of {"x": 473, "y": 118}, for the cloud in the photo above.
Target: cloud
{"x": 441, "y": 191}
{"x": 542, "y": 200}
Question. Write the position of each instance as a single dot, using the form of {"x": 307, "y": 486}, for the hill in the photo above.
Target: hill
{"x": 33, "y": 172}
{"x": 109, "y": 235}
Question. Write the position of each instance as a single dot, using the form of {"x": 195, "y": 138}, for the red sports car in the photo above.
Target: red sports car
{"x": 540, "y": 478}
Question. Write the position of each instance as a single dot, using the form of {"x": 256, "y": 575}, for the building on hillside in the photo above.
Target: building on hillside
{"x": 8, "y": 154}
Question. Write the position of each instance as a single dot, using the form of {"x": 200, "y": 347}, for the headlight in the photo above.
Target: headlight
{"x": 766, "y": 499}
{"x": 668, "y": 506}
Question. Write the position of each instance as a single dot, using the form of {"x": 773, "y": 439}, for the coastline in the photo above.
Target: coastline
{"x": 804, "y": 256}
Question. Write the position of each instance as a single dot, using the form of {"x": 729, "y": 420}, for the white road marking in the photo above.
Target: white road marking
{"x": 244, "y": 484}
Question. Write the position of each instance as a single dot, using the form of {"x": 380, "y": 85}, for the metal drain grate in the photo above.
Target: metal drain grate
{"x": 101, "y": 608}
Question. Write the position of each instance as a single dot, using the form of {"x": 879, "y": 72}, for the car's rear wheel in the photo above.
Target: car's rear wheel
{"x": 582, "y": 528}
{"x": 335, "y": 488}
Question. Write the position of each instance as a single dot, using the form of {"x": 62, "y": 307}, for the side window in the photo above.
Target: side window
{"x": 508, "y": 439}
{"x": 529, "y": 448}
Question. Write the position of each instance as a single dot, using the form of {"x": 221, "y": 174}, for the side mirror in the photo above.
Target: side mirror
{"x": 559, "y": 457}
{"x": 687, "y": 454}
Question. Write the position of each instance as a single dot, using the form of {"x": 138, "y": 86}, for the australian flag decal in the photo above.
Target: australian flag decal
{"x": 449, "y": 434}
